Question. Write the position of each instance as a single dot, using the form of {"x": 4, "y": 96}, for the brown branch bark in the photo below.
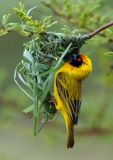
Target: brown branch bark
{"x": 100, "y": 29}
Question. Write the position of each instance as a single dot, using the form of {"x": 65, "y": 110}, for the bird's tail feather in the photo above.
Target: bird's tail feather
{"x": 70, "y": 134}
{"x": 70, "y": 138}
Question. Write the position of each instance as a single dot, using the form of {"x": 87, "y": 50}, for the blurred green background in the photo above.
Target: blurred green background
{"x": 94, "y": 133}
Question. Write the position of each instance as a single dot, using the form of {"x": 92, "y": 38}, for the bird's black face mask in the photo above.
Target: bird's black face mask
{"x": 76, "y": 60}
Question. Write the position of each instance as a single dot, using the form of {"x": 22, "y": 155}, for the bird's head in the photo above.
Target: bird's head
{"x": 81, "y": 64}
{"x": 78, "y": 60}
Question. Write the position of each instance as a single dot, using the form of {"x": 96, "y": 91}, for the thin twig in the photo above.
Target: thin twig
{"x": 100, "y": 29}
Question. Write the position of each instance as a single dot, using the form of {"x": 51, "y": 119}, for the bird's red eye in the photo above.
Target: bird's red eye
{"x": 79, "y": 59}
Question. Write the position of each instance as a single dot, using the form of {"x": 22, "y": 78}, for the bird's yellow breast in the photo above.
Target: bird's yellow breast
{"x": 80, "y": 72}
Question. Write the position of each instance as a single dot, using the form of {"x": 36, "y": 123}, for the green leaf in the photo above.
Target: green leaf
{"x": 5, "y": 19}
{"x": 28, "y": 56}
{"x": 17, "y": 70}
{"x": 3, "y": 32}
{"x": 42, "y": 67}
{"x": 26, "y": 65}
{"x": 29, "y": 109}
{"x": 29, "y": 11}
{"x": 108, "y": 53}
{"x": 22, "y": 80}
{"x": 51, "y": 24}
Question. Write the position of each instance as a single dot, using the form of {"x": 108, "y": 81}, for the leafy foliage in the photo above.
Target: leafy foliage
{"x": 84, "y": 17}
{"x": 42, "y": 56}
{"x": 45, "y": 51}
{"x": 27, "y": 25}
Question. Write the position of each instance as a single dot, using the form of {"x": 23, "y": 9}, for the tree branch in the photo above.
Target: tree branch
{"x": 57, "y": 12}
{"x": 100, "y": 29}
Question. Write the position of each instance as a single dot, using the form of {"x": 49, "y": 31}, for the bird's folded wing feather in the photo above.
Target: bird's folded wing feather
{"x": 69, "y": 90}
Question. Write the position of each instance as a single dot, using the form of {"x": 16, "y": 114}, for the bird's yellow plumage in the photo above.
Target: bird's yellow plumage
{"x": 67, "y": 91}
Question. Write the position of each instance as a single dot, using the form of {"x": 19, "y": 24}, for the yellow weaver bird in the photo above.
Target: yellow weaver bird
{"x": 67, "y": 91}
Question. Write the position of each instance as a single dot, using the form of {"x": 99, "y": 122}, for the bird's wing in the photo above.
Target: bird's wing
{"x": 69, "y": 90}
